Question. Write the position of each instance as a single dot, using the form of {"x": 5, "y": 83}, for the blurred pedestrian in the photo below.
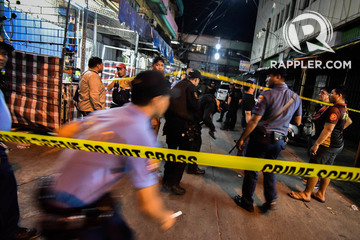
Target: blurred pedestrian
{"x": 121, "y": 88}
{"x": 235, "y": 99}
{"x": 209, "y": 105}
{"x": 91, "y": 88}
{"x": 158, "y": 64}
{"x": 9, "y": 206}
{"x": 225, "y": 104}
{"x": 268, "y": 127}
{"x": 86, "y": 178}
{"x": 328, "y": 145}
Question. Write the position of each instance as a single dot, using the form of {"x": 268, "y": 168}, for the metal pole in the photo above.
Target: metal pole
{"x": 62, "y": 59}
{"x": 95, "y": 36}
{"x": 83, "y": 39}
{"x": 265, "y": 42}
{"x": 136, "y": 51}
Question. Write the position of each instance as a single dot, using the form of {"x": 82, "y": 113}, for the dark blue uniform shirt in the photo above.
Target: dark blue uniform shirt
{"x": 271, "y": 102}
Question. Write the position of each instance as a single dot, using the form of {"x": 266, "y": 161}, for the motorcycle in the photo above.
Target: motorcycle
{"x": 302, "y": 134}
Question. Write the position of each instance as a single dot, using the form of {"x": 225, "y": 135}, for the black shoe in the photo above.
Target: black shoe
{"x": 25, "y": 234}
{"x": 196, "y": 171}
{"x": 219, "y": 120}
{"x": 269, "y": 206}
{"x": 176, "y": 189}
{"x": 237, "y": 200}
{"x": 224, "y": 128}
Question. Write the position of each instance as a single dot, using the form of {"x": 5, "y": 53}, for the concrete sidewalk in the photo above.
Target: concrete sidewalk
{"x": 208, "y": 209}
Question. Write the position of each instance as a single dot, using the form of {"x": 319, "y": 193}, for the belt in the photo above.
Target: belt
{"x": 275, "y": 135}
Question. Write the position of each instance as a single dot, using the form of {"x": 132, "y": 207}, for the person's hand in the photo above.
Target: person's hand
{"x": 314, "y": 149}
{"x": 212, "y": 134}
{"x": 239, "y": 144}
{"x": 168, "y": 221}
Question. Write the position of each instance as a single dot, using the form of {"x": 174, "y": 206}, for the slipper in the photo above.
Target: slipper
{"x": 297, "y": 196}
{"x": 317, "y": 198}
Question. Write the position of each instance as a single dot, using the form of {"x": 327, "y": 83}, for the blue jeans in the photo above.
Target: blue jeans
{"x": 9, "y": 207}
{"x": 261, "y": 147}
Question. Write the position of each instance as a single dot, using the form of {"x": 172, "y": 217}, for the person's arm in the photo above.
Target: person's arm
{"x": 229, "y": 100}
{"x": 152, "y": 205}
{"x": 348, "y": 122}
{"x": 247, "y": 116}
{"x": 251, "y": 125}
{"x": 325, "y": 133}
{"x": 111, "y": 85}
{"x": 94, "y": 89}
{"x": 296, "y": 120}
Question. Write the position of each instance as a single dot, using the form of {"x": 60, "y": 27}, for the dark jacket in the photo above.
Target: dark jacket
{"x": 184, "y": 110}
{"x": 207, "y": 108}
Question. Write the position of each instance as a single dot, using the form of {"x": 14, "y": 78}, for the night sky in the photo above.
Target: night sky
{"x": 234, "y": 19}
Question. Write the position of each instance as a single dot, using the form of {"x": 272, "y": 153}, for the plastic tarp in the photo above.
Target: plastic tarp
{"x": 162, "y": 46}
{"x": 133, "y": 20}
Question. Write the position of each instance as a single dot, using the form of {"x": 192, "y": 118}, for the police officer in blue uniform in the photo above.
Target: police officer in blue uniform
{"x": 268, "y": 128}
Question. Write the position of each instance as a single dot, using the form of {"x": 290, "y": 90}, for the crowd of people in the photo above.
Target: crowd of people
{"x": 85, "y": 179}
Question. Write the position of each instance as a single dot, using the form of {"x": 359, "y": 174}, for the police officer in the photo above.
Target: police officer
{"x": 235, "y": 99}
{"x": 268, "y": 127}
{"x": 182, "y": 129}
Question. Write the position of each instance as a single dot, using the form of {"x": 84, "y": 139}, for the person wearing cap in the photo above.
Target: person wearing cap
{"x": 248, "y": 105}
{"x": 121, "y": 89}
{"x": 182, "y": 130}
{"x": 211, "y": 88}
{"x": 86, "y": 178}
{"x": 91, "y": 88}
{"x": 234, "y": 100}
{"x": 9, "y": 206}
{"x": 268, "y": 128}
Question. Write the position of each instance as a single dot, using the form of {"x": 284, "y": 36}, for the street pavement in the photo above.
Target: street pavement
{"x": 208, "y": 209}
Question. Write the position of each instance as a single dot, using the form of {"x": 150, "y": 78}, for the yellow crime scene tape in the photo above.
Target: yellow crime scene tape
{"x": 232, "y": 80}
{"x": 201, "y": 158}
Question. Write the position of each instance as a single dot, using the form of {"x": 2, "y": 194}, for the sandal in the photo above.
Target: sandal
{"x": 317, "y": 198}
{"x": 298, "y": 196}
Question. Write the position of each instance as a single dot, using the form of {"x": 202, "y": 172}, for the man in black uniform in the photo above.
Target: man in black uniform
{"x": 209, "y": 105}
{"x": 182, "y": 129}
{"x": 231, "y": 116}
{"x": 275, "y": 108}
{"x": 248, "y": 105}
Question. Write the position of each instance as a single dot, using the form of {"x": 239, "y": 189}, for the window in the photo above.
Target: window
{"x": 276, "y": 22}
{"x": 287, "y": 12}
{"x": 199, "y": 48}
{"x": 281, "y": 22}
{"x": 292, "y": 9}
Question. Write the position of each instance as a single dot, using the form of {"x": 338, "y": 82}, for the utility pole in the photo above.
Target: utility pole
{"x": 265, "y": 42}
{"x": 83, "y": 38}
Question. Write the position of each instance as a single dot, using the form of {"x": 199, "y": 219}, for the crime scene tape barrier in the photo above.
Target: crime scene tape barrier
{"x": 231, "y": 80}
{"x": 208, "y": 159}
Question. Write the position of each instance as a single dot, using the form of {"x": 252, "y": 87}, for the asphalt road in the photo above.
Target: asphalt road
{"x": 208, "y": 209}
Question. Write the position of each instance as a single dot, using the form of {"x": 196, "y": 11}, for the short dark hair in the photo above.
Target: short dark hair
{"x": 147, "y": 85}
{"x": 157, "y": 59}
{"x": 327, "y": 89}
{"x": 246, "y": 88}
{"x": 278, "y": 69}
{"x": 93, "y": 61}
{"x": 341, "y": 90}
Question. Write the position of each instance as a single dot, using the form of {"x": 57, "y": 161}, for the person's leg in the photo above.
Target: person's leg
{"x": 9, "y": 207}
{"x": 196, "y": 146}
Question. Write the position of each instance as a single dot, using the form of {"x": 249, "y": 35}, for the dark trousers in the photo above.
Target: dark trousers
{"x": 231, "y": 117}
{"x": 174, "y": 170}
{"x": 196, "y": 146}
{"x": 261, "y": 147}
{"x": 9, "y": 207}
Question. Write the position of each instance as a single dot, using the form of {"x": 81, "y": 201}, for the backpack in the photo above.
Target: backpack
{"x": 120, "y": 96}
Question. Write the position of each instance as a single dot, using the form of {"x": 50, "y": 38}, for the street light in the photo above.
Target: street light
{"x": 217, "y": 56}
{"x": 218, "y": 46}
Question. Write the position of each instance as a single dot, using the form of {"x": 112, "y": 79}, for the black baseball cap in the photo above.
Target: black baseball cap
{"x": 194, "y": 74}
